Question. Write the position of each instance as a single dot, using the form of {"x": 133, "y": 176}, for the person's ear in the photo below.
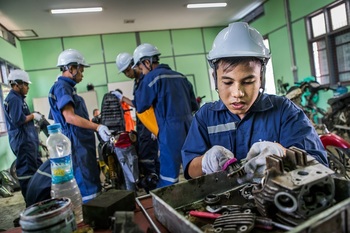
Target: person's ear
{"x": 148, "y": 64}
{"x": 71, "y": 69}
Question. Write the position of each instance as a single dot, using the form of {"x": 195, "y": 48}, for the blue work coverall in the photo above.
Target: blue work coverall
{"x": 85, "y": 166}
{"x": 271, "y": 118}
{"x": 39, "y": 187}
{"x": 147, "y": 147}
{"x": 173, "y": 100}
{"x": 23, "y": 138}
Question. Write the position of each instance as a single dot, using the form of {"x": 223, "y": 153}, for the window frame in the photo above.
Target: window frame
{"x": 329, "y": 38}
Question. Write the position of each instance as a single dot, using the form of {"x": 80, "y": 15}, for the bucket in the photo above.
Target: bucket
{"x": 52, "y": 215}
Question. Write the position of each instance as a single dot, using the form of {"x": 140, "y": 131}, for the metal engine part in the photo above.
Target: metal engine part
{"x": 235, "y": 222}
{"x": 294, "y": 188}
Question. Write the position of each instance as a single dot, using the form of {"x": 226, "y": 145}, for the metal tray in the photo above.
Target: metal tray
{"x": 171, "y": 205}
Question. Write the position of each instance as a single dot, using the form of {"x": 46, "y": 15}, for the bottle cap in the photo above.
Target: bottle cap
{"x": 54, "y": 128}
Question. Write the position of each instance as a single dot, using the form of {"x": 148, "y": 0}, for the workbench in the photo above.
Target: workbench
{"x": 143, "y": 216}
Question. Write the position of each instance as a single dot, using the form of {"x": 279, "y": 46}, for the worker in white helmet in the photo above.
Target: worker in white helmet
{"x": 171, "y": 96}
{"x": 245, "y": 123}
{"x": 22, "y": 134}
{"x": 69, "y": 109}
{"x": 147, "y": 146}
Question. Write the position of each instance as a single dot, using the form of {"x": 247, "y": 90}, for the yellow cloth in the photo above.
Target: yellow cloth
{"x": 148, "y": 119}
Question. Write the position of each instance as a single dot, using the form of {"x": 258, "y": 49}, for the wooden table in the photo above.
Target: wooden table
{"x": 143, "y": 216}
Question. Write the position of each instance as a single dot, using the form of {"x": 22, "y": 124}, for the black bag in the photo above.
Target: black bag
{"x": 112, "y": 113}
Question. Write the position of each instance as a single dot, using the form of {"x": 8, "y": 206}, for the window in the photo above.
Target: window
{"x": 4, "y": 90}
{"x": 7, "y": 35}
{"x": 5, "y": 68}
{"x": 329, "y": 42}
{"x": 318, "y": 25}
{"x": 338, "y": 16}
{"x": 3, "y": 72}
{"x": 270, "y": 87}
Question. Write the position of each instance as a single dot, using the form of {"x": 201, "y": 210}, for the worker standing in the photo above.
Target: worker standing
{"x": 23, "y": 137}
{"x": 69, "y": 109}
{"x": 171, "y": 96}
{"x": 245, "y": 122}
{"x": 147, "y": 146}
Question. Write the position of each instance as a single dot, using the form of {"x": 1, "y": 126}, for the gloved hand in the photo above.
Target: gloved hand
{"x": 256, "y": 157}
{"x": 153, "y": 137}
{"x": 215, "y": 158}
{"x": 118, "y": 94}
{"x": 104, "y": 132}
{"x": 37, "y": 116}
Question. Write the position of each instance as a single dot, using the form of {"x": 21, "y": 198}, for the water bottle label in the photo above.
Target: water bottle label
{"x": 61, "y": 169}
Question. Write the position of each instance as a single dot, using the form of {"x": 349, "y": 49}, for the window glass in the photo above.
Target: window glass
{"x": 338, "y": 17}
{"x": 269, "y": 77}
{"x": 4, "y": 90}
{"x": 342, "y": 43}
{"x": 320, "y": 61}
{"x": 318, "y": 25}
{"x": 344, "y": 38}
{"x": 345, "y": 77}
{"x": 3, "y": 72}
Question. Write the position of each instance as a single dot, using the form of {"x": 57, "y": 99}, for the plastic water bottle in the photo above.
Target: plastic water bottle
{"x": 63, "y": 181}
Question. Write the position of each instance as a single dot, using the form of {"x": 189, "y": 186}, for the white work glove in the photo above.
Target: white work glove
{"x": 104, "y": 132}
{"x": 153, "y": 137}
{"x": 37, "y": 116}
{"x": 215, "y": 158}
{"x": 117, "y": 94}
{"x": 256, "y": 157}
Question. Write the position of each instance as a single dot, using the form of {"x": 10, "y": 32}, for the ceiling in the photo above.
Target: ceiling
{"x": 33, "y": 18}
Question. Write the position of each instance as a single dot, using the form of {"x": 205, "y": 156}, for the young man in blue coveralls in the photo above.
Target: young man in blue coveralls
{"x": 245, "y": 119}
{"x": 23, "y": 137}
{"x": 147, "y": 143}
{"x": 172, "y": 98}
{"x": 69, "y": 109}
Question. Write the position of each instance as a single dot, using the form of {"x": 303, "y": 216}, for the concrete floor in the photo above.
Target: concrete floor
{"x": 10, "y": 209}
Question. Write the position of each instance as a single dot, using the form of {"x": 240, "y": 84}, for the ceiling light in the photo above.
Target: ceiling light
{"x": 27, "y": 33}
{"x": 207, "y": 5}
{"x": 76, "y": 10}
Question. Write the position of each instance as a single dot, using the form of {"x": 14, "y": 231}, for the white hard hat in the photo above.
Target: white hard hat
{"x": 238, "y": 40}
{"x": 19, "y": 75}
{"x": 71, "y": 56}
{"x": 144, "y": 50}
{"x": 123, "y": 61}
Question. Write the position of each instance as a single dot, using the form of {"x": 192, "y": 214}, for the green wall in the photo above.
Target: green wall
{"x": 184, "y": 50}
{"x": 11, "y": 53}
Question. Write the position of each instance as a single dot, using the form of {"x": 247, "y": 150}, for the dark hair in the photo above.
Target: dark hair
{"x": 90, "y": 87}
{"x": 94, "y": 111}
{"x": 231, "y": 62}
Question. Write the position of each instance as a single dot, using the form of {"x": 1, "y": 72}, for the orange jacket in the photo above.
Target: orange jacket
{"x": 129, "y": 122}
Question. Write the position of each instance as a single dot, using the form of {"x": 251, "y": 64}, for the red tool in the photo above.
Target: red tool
{"x": 203, "y": 214}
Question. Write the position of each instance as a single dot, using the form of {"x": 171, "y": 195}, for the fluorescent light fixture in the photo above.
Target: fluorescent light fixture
{"x": 76, "y": 10}
{"x": 207, "y": 5}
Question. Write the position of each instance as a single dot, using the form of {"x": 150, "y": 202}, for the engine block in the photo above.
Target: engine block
{"x": 294, "y": 188}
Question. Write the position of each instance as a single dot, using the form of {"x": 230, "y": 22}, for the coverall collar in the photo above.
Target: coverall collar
{"x": 68, "y": 80}
{"x": 18, "y": 94}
